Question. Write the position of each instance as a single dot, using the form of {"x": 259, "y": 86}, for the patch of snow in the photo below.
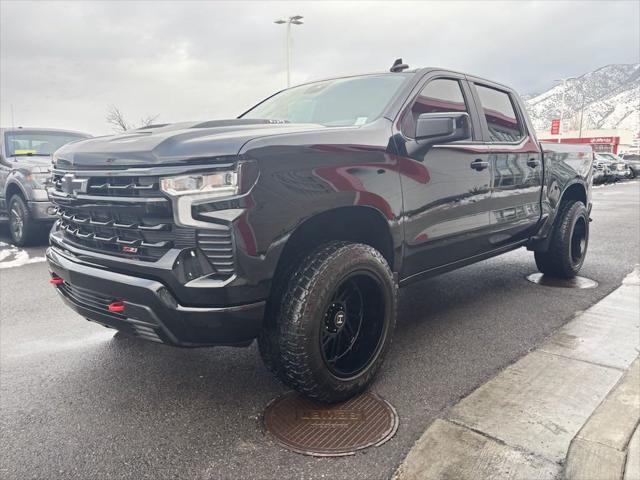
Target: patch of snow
{"x": 15, "y": 257}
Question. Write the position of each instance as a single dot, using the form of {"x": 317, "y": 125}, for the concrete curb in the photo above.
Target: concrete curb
{"x": 601, "y": 448}
{"x": 578, "y": 393}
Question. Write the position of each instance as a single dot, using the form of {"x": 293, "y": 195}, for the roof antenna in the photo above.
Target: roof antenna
{"x": 398, "y": 66}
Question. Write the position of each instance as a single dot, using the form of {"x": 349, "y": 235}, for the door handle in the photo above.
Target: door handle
{"x": 479, "y": 164}
{"x": 533, "y": 163}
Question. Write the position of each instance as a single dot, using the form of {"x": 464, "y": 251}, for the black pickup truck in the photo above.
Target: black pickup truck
{"x": 297, "y": 222}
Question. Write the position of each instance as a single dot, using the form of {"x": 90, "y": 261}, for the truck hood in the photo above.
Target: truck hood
{"x": 35, "y": 163}
{"x": 171, "y": 144}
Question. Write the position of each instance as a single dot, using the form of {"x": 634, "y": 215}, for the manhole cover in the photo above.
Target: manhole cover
{"x": 327, "y": 430}
{"x": 576, "y": 282}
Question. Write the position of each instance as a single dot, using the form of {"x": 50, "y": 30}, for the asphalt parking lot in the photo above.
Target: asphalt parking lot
{"x": 78, "y": 402}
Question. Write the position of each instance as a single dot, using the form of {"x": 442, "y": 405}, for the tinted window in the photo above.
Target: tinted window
{"x": 440, "y": 95}
{"x": 340, "y": 102}
{"x": 501, "y": 116}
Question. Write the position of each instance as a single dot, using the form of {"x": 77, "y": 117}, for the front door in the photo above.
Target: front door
{"x": 446, "y": 210}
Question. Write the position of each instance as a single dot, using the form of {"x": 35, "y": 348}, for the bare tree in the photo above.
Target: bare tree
{"x": 116, "y": 119}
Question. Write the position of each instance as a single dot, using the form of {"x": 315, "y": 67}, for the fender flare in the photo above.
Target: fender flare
{"x": 540, "y": 241}
{"x": 13, "y": 181}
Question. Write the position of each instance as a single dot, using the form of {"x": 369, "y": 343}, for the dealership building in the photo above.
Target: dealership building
{"x": 613, "y": 140}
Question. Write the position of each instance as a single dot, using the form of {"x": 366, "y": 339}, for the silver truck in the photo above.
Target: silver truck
{"x": 25, "y": 162}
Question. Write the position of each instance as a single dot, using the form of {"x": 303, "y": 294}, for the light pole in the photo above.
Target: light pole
{"x": 294, "y": 20}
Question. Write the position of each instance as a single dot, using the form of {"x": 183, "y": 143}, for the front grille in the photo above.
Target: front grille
{"x": 128, "y": 216}
{"x": 124, "y": 216}
{"x": 128, "y": 186}
{"x": 148, "y": 234}
{"x": 124, "y": 186}
{"x": 217, "y": 245}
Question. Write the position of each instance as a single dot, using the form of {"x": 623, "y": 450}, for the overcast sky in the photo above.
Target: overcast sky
{"x": 63, "y": 64}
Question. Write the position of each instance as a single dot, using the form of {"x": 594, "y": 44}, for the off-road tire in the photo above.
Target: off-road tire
{"x": 29, "y": 229}
{"x": 299, "y": 359}
{"x": 562, "y": 259}
{"x": 269, "y": 338}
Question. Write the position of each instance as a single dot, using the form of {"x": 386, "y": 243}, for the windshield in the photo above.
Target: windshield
{"x": 43, "y": 143}
{"x": 333, "y": 103}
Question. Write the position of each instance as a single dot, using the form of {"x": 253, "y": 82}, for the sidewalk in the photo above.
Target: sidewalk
{"x": 566, "y": 410}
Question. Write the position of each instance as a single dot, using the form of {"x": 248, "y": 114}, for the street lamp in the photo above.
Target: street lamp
{"x": 294, "y": 20}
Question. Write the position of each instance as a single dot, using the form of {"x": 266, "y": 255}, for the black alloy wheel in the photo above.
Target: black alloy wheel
{"x": 348, "y": 347}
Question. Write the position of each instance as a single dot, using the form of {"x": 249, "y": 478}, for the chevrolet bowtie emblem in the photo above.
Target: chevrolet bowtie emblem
{"x": 72, "y": 186}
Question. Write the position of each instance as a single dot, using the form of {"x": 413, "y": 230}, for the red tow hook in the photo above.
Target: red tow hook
{"x": 116, "y": 307}
{"x": 56, "y": 280}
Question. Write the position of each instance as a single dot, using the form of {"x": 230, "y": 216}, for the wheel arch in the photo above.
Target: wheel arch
{"x": 12, "y": 189}
{"x": 360, "y": 223}
{"x": 574, "y": 191}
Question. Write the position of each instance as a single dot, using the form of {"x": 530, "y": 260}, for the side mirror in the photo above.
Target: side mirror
{"x": 446, "y": 127}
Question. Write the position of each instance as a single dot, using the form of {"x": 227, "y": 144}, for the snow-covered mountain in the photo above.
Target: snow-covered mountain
{"x": 610, "y": 97}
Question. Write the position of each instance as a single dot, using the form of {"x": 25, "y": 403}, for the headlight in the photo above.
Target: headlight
{"x": 39, "y": 180}
{"x": 196, "y": 188}
{"x": 216, "y": 184}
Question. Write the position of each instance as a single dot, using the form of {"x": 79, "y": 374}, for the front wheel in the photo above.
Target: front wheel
{"x": 337, "y": 319}
{"x": 569, "y": 241}
{"x": 22, "y": 227}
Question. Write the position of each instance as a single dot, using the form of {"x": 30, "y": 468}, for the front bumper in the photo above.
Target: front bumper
{"x": 150, "y": 309}
{"x": 43, "y": 211}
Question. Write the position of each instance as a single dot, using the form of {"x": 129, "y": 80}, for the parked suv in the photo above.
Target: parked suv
{"x": 297, "y": 222}
{"x": 25, "y": 163}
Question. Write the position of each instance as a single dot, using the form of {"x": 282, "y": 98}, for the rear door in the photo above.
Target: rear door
{"x": 447, "y": 206}
{"x": 516, "y": 164}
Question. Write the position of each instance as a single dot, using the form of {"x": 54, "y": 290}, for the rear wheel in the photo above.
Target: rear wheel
{"x": 337, "y": 318}
{"x": 569, "y": 242}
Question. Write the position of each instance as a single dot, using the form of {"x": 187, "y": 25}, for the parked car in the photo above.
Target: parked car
{"x": 296, "y": 222}
{"x": 633, "y": 160}
{"x": 25, "y": 162}
{"x": 599, "y": 171}
{"x": 615, "y": 168}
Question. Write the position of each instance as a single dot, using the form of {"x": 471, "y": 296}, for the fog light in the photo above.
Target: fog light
{"x": 52, "y": 210}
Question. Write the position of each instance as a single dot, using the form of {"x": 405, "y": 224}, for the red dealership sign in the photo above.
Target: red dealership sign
{"x": 555, "y": 126}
